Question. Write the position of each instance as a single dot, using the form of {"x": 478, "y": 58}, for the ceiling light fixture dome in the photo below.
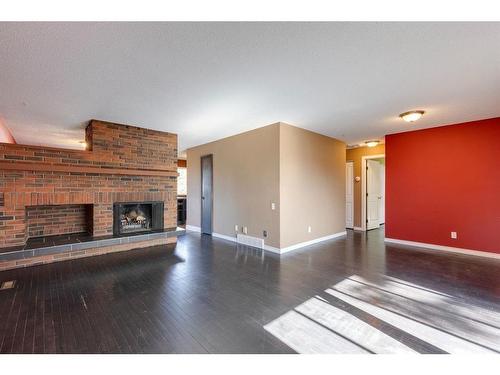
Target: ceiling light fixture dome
{"x": 412, "y": 116}
{"x": 372, "y": 143}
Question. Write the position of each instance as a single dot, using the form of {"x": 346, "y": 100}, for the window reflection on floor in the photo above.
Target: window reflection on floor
{"x": 388, "y": 316}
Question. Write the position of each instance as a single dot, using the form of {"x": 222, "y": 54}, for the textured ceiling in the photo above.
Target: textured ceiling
{"x": 205, "y": 81}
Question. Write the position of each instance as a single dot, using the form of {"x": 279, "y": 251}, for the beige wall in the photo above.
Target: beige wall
{"x": 246, "y": 181}
{"x": 312, "y": 185}
{"x": 302, "y": 172}
{"x": 355, "y": 155}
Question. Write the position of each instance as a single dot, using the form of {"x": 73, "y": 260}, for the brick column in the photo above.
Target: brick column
{"x": 102, "y": 219}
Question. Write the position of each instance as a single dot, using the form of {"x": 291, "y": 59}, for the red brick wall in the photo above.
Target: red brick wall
{"x": 132, "y": 147}
{"x": 60, "y": 219}
{"x": 125, "y": 164}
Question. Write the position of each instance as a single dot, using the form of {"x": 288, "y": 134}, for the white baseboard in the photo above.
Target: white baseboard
{"x": 272, "y": 249}
{"x": 283, "y": 250}
{"x": 457, "y": 250}
{"x": 358, "y": 228}
{"x": 193, "y": 228}
{"x": 224, "y": 237}
{"x": 311, "y": 242}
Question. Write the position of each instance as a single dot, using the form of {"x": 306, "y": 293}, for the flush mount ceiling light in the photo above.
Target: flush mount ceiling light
{"x": 372, "y": 143}
{"x": 411, "y": 116}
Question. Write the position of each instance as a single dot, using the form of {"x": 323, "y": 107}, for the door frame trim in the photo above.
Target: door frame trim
{"x": 363, "y": 186}
{"x": 353, "y": 195}
{"x": 211, "y": 156}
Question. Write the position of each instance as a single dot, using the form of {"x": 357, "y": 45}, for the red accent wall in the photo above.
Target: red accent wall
{"x": 445, "y": 179}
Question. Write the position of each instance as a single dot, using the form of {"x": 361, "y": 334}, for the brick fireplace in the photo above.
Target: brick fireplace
{"x": 47, "y": 191}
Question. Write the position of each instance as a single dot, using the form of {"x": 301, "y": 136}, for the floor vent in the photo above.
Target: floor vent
{"x": 7, "y": 284}
{"x": 250, "y": 241}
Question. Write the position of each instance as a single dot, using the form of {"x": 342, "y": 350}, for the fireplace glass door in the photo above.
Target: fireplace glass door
{"x": 137, "y": 217}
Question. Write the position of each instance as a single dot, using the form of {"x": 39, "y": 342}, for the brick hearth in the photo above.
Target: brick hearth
{"x": 46, "y": 190}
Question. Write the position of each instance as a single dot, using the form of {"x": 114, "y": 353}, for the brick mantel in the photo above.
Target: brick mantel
{"x": 123, "y": 163}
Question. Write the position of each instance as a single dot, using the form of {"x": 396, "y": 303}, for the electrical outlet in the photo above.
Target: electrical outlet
{"x": 454, "y": 235}
{"x": 273, "y": 206}
{"x": 236, "y": 228}
{"x": 245, "y": 230}
{"x": 309, "y": 229}
{"x": 264, "y": 233}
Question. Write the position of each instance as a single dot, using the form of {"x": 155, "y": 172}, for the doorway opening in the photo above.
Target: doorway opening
{"x": 373, "y": 191}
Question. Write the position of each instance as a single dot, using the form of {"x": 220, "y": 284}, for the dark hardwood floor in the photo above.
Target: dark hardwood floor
{"x": 206, "y": 295}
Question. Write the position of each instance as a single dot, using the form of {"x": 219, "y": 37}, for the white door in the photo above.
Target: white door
{"x": 373, "y": 196}
{"x": 349, "y": 195}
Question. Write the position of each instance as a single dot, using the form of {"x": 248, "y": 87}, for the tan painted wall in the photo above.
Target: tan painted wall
{"x": 355, "y": 155}
{"x": 246, "y": 181}
{"x": 302, "y": 172}
{"x": 312, "y": 185}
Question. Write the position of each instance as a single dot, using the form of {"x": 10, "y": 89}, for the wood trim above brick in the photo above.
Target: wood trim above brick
{"x": 27, "y": 166}
{"x": 45, "y": 148}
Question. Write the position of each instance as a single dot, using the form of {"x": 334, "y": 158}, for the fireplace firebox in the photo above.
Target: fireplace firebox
{"x": 132, "y": 217}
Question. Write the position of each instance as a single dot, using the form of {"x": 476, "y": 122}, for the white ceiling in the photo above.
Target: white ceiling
{"x": 205, "y": 81}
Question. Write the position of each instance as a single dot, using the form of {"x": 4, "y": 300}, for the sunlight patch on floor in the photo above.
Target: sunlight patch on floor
{"x": 305, "y": 336}
{"x": 447, "y": 323}
{"x": 450, "y": 324}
